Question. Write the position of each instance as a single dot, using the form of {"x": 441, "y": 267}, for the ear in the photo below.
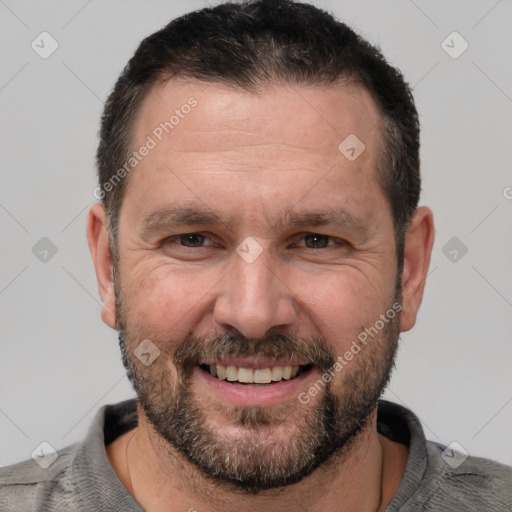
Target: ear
{"x": 419, "y": 240}
{"x": 97, "y": 236}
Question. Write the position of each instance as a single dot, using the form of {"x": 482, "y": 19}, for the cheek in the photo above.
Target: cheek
{"x": 341, "y": 303}
{"x": 164, "y": 302}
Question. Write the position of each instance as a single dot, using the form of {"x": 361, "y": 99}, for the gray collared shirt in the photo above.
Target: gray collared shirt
{"x": 81, "y": 479}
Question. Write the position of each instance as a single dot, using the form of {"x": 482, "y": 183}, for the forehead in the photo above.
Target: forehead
{"x": 188, "y": 115}
{"x": 272, "y": 147}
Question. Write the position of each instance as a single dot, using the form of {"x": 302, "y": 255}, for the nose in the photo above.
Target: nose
{"x": 254, "y": 298}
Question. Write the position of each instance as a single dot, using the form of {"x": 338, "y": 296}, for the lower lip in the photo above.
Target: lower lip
{"x": 270, "y": 394}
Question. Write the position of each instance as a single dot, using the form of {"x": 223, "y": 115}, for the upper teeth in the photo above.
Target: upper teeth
{"x": 253, "y": 376}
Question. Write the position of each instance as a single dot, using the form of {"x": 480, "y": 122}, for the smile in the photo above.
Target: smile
{"x": 243, "y": 375}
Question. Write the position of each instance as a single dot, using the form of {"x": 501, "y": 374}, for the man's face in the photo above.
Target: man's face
{"x": 247, "y": 238}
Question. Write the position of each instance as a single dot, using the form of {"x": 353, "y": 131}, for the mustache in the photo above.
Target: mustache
{"x": 313, "y": 350}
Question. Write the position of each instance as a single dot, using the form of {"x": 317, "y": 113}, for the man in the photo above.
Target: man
{"x": 259, "y": 248}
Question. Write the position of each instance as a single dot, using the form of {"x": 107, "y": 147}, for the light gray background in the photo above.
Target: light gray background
{"x": 59, "y": 363}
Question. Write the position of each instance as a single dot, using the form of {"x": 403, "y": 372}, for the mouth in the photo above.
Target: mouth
{"x": 255, "y": 377}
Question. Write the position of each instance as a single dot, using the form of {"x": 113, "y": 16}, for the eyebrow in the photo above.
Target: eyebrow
{"x": 177, "y": 216}
{"x": 181, "y": 216}
{"x": 339, "y": 217}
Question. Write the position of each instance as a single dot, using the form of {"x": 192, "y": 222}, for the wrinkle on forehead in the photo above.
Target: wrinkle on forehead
{"x": 316, "y": 118}
{"x": 277, "y": 148}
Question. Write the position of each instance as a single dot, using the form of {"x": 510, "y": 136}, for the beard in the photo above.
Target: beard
{"x": 271, "y": 446}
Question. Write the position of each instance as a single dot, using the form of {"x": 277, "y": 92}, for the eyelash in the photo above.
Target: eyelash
{"x": 334, "y": 240}
{"x": 178, "y": 237}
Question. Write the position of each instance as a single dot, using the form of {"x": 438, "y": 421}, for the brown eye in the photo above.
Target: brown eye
{"x": 194, "y": 240}
{"x": 316, "y": 241}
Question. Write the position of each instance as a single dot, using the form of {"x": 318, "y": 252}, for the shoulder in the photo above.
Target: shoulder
{"x": 456, "y": 481}
{"x": 442, "y": 478}
{"x": 78, "y": 477}
{"x": 25, "y": 484}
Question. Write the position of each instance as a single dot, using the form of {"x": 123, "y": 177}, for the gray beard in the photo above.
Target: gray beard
{"x": 254, "y": 461}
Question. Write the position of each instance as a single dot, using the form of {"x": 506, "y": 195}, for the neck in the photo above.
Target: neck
{"x": 364, "y": 478}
